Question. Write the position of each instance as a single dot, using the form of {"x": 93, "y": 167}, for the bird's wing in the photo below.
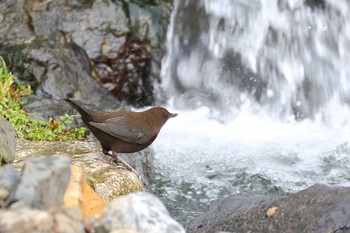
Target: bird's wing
{"x": 117, "y": 127}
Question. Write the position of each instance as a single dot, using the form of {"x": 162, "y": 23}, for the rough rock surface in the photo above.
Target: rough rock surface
{"x": 7, "y": 141}
{"x": 102, "y": 174}
{"x": 138, "y": 212}
{"x": 82, "y": 209}
{"x": 25, "y": 220}
{"x": 43, "y": 182}
{"x": 56, "y": 70}
{"x": 319, "y": 208}
{"x": 92, "y": 26}
{"x": 45, "y": 39}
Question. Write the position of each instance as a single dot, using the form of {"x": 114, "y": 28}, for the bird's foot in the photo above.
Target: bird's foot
{"x": 116, "y": 159}
{"x": 119, "y": 165}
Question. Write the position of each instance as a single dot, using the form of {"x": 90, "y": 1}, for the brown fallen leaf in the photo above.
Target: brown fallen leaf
{"x": 271, "y": 211}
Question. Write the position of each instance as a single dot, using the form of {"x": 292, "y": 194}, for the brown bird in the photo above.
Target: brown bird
{"x": 124, "y": 132}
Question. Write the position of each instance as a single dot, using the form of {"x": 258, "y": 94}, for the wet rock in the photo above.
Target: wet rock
{"x": 9, "y": 179}
{"x": 43, "y": 182}
{"x": 102, "y": 174}
{"x": 7, "y": 141}
{"x": 319, "y": 208}
{"x": 138, "y": 212}
{"x": 33, "y": 220}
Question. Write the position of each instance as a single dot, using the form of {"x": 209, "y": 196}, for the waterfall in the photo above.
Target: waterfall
{"x": 288, "y": 57}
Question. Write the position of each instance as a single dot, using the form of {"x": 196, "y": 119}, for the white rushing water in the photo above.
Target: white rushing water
{"x": 262, "y": 90}
{"x": 199, "y": 159}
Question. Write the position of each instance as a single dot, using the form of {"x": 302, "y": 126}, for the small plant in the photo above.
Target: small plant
{"x": 36, "y": 130}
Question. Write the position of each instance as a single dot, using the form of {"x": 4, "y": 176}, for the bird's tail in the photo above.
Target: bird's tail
{"x": 85, "y": 114}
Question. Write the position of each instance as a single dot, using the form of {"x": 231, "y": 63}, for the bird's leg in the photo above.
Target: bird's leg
{"x": 114, "y": 158}
{"x": 117, "y": 159}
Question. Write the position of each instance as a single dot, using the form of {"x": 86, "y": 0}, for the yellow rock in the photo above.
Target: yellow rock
{"x": 92, "y": 203}
{"x": 79, "y": 194}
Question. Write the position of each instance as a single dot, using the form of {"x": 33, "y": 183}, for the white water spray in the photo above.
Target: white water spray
{"x": 262, "y": 90}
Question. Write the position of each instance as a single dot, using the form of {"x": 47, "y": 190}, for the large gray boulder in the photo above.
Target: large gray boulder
{"x": 319, "y": 208}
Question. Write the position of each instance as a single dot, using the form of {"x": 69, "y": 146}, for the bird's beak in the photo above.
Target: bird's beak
{"x": 173, "y": 115}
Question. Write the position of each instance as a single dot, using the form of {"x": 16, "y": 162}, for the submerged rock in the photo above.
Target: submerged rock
{"x": 7, "y": 141}
{"x": 319, "y": 208}
{"x": 138, "y": 212}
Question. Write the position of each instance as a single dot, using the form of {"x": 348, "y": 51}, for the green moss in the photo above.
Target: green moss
{"x": 11, "y": 103}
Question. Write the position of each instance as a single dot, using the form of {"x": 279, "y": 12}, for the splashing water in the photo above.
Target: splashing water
{"x": 199, "y": 159}
{"x": 288, "y": 56}
{"x": 262, "y": 88}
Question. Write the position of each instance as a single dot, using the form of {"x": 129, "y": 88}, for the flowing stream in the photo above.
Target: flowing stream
{"x": 262, "y": 89}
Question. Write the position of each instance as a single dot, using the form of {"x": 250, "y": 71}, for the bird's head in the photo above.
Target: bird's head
{"x": 161, "y": 115}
